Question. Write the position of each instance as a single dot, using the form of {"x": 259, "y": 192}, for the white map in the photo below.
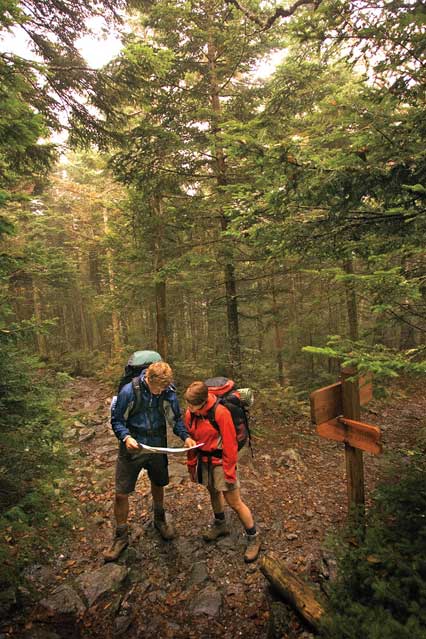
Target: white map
{"x": 159, "y": 449}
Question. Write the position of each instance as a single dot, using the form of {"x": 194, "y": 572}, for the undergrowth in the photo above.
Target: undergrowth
{"x": 35, "y": 507}
{"x": 381, "y": 589}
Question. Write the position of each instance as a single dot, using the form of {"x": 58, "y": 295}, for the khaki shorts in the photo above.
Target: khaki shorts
{"x": 215, "y": 480}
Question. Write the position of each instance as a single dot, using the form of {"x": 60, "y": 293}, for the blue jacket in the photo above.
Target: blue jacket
{"x": 147, "y": 426}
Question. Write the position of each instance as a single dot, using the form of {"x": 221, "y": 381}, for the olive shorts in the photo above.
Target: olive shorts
{"x": 214, "y": 478}
{"x": 129, "y": 466}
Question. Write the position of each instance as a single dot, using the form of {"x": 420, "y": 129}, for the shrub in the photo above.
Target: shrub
{"x": 32, "y": 458}
{"x": 381, "y": 590}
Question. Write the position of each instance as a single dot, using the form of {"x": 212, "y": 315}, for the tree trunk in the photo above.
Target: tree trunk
{"x": 227, "y": 251}
{"x": 293, "y": 590}
{"x": 160, "y": 281}
{"x": 351, "y": 301}
{"x": 115, "y": 320}
{"x": 38, "y": 314}
{"x": 278, "y": 335}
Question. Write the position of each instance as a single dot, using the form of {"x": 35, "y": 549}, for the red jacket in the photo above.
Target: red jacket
{"x": 203, "y": 431}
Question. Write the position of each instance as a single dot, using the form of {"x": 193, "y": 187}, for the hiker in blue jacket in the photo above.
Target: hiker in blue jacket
{"x": 138, "y": 418}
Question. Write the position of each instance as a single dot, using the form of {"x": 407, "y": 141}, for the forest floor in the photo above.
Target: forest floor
{"x": 186, "y": 588}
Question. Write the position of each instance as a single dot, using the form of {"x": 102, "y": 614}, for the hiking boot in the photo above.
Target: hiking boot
{"x": 219, "y": 528}
{"x": 165, "y": 529}
{"x": 119, "y": 543}
{"x": 253, "y": 548}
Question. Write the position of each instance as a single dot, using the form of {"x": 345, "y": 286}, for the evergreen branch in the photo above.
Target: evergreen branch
{"x": 280, "y": 12}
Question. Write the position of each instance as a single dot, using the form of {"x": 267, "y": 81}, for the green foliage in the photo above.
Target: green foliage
{"x": 81, "y": 363}
{"x": 383, "y": 362}
{"x": 32, "y": 458}
{"x": 381, "y": 590}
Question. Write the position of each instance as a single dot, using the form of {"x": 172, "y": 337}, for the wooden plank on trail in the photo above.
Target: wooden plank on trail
{"x": 326, "y": 403}
{"x": 357, "y": 434}
{"x": 365, "y": 389}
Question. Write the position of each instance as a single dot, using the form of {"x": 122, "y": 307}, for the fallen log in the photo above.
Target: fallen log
{"x": 292, "y": 589}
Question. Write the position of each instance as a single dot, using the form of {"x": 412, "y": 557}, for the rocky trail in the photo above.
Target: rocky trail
{"x": 186, "y": 588}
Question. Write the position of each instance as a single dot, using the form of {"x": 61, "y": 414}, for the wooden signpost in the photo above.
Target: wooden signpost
{"x": 336, "y": 412}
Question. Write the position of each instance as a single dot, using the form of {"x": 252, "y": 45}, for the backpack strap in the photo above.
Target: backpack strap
{"x": 211, "y": 415}
{"x": 201, "y": 453}
{"x": 136, "y": 385}
{"x": 212, "y": 420}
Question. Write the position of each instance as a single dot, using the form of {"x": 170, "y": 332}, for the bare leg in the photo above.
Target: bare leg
{"x": 121, "y": 535}
{"x": 121, "y": 508}
{"x": 157, "y": 493}
{"x": 217, "y": 501}
{"x": 233, "y": 499}
{"x": 165, "y": 528}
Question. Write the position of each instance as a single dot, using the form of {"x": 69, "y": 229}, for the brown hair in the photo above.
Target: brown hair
{"x": 159, "y": 373}
{"x": 196, "y": 393}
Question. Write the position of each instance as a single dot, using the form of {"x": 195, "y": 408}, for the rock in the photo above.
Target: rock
{"x": 132, "y": 555}
{"x": 7, "y": 600}
{"x": 226, "y": 542}
{"x": 291, "y": 457}
{"x": 137, "y": 532}
{"x": 107, "y": 449}
{"x": 40, "y": 575}
{"x": 39, "y": 631}
{"x": 64, "y": 604}
{"x": 280, "y": 620}
{"x": 178, "y": 472}
{"x": 207, "y": 602}
{"x": 78, "y": 424}
{"x": 70, "y": 434}
{"x": 291, "y": 536}
{"x": 102, "y": 581}
{"x": 328, "y": 568}
{"x": 198, "y": 573}
{"x": 172, "y": 629}
{"x": 86, "y": 434}
{"x": 277, "y": 526}
{"x": 122, "y": 624}
{"x": 184, "y": 548}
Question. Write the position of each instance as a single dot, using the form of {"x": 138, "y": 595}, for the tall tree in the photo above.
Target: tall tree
{"x": 185, "y": 79}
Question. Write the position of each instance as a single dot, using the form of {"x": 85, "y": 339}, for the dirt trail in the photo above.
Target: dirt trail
{"x": 298, "y": 497}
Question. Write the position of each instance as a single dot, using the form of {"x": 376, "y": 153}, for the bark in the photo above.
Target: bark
{"x": 260, "y": 330}
{"x": 293, "y": 590}
{"x": 38, "y": 314}
{"x": 351, "y": 301}
{"x": 278, "y": 335}
{"x": 160, "y": 307}
{"x": 227, "y": 252}
{"x": 160, "y": 281}
{"x": 115, "y": 320}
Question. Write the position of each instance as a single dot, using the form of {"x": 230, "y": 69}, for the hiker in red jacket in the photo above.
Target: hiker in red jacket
{"x": 215, "y": 464}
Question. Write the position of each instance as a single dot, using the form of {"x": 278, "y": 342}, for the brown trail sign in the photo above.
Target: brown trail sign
{"x": 335, "y": 410}
{"x": 359, "y": 435}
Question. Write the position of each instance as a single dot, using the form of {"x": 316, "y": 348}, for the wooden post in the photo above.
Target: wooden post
{"x": 354, "y": 459}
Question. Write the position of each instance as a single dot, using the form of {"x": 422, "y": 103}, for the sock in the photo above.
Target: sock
{"x": 159, "y": 512}
{"x": 219, "y": 516}
{"x": 251, "y": 531}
